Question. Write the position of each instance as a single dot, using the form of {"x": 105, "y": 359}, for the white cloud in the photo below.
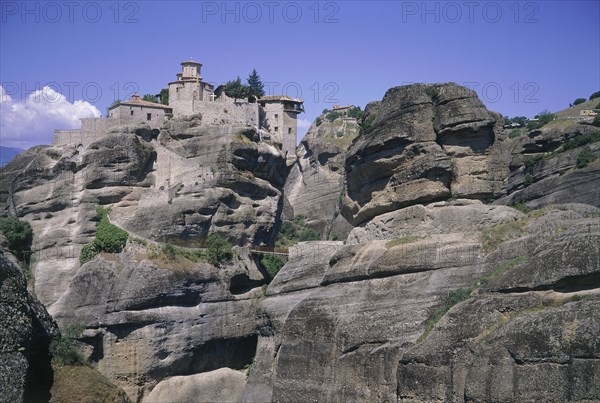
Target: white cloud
{"x": 32, "y": 121}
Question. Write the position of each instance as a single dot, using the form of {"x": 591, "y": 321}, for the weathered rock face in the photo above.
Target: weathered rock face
{"x": 433, "y": 296}
{"x": 543, "y": 172}
{"x": 148, "y": 319}
{"x": 26, "y": 329}
{"x": 363, "y": 334}
{"x": 175, "y": 186}
{"x": 420, "y": 144}
{"x": 222, "y": 385}
{"x": 316, "y": 180}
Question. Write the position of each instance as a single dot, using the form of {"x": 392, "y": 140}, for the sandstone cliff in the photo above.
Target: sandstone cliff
{"x": 316, "y": 179}
{"x": 435, "y": 290}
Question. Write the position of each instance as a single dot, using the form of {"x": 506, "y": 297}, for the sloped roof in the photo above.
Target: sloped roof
{"x": 140, "y": 102}
{"x": 279, "y": 98}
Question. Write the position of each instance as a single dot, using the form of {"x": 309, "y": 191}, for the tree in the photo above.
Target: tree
{"x": 164, "y": 96}
{"x": 255, "y": 86}
{"x": 235, "y": 89}
{"x": 355, "y": 112}
{"x": 219, "y": 250}
{"x": 595, "y": 95}
{"x": 18, "y": 234}
{"x": 150, "y": 98}
{"x": 579, "y": 101}
{"x": 272, "y": 264}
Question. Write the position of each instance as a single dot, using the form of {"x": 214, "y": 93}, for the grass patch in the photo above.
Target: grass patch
{"x": 462, "y": 294}
{"x": 504, "y": 267}
{"x": 522, "y": 207}
{"x": 403, "y": 240}
{"x": 452, "y": 298}
{"x": 492, "y": 237}
{"x": 63, "y": 348}
{"x": 84, "y": 384}
{"x": 585, "y": 157}
{"x": 175, "y": 258}
{"x": 514, "y": 133}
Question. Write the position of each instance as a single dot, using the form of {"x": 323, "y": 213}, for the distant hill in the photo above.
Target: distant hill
{"x": 7, "y": 154}
{"x": 575, "y": 110}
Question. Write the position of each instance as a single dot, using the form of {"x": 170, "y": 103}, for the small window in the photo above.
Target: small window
{"x": 276, "y": 116}
{"x": 148, "y": 116}
{"x": 289, "y": 130}
{"x": 276, "y": 128}
{"x": 132, "y": 112}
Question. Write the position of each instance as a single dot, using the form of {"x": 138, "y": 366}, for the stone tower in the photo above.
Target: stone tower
{"x": 281, "y": 117}
{"x": 188, "y": 89}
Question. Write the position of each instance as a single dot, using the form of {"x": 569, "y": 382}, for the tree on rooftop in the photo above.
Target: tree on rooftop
{"x": 236, "y": 90}
{"x": 164, "y": 96}
{"x": 256, "y": 87}
{"x": 150, "y": 98}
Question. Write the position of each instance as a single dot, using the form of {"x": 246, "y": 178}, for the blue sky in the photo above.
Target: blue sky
{"x": 520, "y": 57}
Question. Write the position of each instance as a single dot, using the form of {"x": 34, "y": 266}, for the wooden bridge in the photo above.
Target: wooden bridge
{"x": 269, "y": 250}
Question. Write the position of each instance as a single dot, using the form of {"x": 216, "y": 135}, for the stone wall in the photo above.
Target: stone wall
{"x": 91, "y": 130}
{"x": 290, "y": 128}
{"x": 222, "y": 113}
{"x": 129, "y": 114}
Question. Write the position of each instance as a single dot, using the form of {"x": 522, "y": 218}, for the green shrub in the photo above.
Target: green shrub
{"x": 366, "y": 124}
{"x": 308, "y": 234}
{"x": 319, "y": 121}
{"x": 63, "y": 348}
{"x": 109, "y": 237}
{"x": 543, "y": 118}
{"x": 514, "y": 133}
{"x": 288, "y": 229}
{"x": 522, "y": 207}
{"x": 299, "y": 219}
{"x": 529, "y": 179}
{"x": 19, "y": 236}
{"x": 169, "y": 251}
{"x": 579, "y": 101}
{"x": 333, "y": 116}
{"x": 355, "y": 112}
{"x": 219, "y": 250}
{"x": 584, "y": 158}
{"x": 102, "y": 211}
{"x": 272, "y": 264}
{"x": 192, "y": 255}
{"x": 530, "y": 162}
{"x": 596, "y": 121}
{"x": 454, "y": 297}
{"x": 580, "y": 140}
{"x": 433, "y": 92}
{"x": 88, "y": 252}
{"x": 595, "y": 95}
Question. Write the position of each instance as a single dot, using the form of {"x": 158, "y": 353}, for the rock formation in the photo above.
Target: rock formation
{"x": 316, "y": 180}
{"x": 465, "y": 266}
{"x": 26, "y": 330}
